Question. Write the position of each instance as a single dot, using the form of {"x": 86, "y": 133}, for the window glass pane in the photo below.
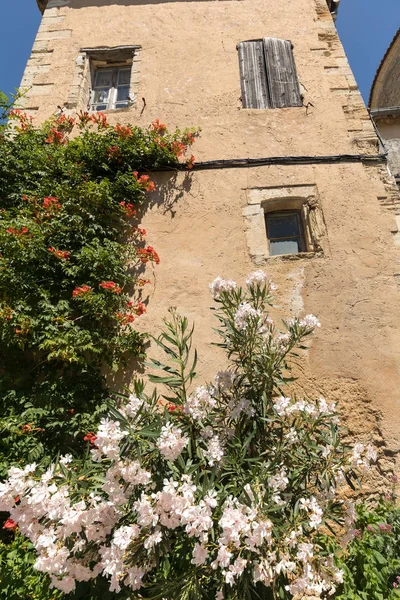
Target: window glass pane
{"x": 103, "y": 78}
{"x": 283, "y": 226}
{"x": 284, "y": 247}
{"x": 124, "y": 76}
{"x": 99, "y": 107}
{"x": 101, "y": 96}
{"x": 122, "y": 94}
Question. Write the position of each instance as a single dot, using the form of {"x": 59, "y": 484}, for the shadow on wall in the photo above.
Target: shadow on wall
{"x": 170, "y": 189}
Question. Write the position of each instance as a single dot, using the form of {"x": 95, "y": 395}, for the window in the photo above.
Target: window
{"x": 105, "y": 78}
{"x": 268, "y": 74}
{"x": 285, "y": 233}
{"x": 111, "y": 88}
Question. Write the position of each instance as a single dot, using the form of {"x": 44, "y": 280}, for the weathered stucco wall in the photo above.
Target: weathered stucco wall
{"x": 199, "y": 222}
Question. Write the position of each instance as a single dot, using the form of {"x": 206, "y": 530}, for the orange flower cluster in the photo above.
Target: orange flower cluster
{"x": 144, "y": 181}
{"x": 55, "y": 137}
{"x": 14, "y": 231}
{"x": 90, "y": 437}
{"x": 24, "y": 120}
{"x": 124, "y": 319}
{"x": 189, "y": 138}
{"x": 143, "y": 282}
{"x": 122, "y": 131}
{"x": 190, "y": 162}
{"x": 64, "y": 123}
{"x": 6, "y": 313}
{"x": 97, "y": 118}
{"x": 128, "y": 317}
{"x": 146, "y": 254}
{"x": 81, "y": 291}
{"x": 51, "y": 203}
{"x": 10, "y": 524}
{"x": 110, "y": 285}
{"x": 170, "y": 406}
{"x": 178, "y": 148}
{"x": 100, "y": 119}
{"x": 159, "y": 127}
{"x": 140, "y": 231}
{"x": 113, "y": 152}
{"x": 24, "y": 330}
{"x": 160, "y": 142}
{"x": 128, "y": 209}
{"x": 64, "y": 254}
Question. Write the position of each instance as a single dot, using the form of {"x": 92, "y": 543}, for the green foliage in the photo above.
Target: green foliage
{"x": 18, "y": 578}
{"x": 71, "y": 260}
{"x": 371, "y": 564}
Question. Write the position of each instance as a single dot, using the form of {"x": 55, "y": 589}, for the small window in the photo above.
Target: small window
{"x": 111, "y": 88}
{"x": 268, "y": 74}
{"x": 285, "y": 233}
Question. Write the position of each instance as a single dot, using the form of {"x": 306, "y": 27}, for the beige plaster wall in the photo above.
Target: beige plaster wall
{"x": 189, "y": 76}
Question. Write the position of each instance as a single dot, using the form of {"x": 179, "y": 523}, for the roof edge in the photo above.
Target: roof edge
{"x": 392, "y": 43}
{"x": 42, "y": 5}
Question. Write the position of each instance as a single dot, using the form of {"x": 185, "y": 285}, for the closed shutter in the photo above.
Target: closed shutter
{"x": 253, "y": 80}
{"x": 283, "y": 84}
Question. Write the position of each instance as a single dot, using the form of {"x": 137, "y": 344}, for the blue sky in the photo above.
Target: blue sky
{"x": 366, "y": 28}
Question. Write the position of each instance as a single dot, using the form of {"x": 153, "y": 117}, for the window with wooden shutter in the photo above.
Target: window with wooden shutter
{"x": 268, "y": 74}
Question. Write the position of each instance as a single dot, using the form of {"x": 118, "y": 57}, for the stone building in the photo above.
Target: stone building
{"x": 288, "y": 178}
{"x": 384, "y": 103}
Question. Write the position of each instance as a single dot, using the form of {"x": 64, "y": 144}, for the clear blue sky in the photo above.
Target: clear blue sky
{"x": 366, "y": 28}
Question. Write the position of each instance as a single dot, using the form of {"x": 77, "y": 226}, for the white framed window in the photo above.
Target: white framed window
{"x": 111, "y": 88}
{"x": 105, "y": 78}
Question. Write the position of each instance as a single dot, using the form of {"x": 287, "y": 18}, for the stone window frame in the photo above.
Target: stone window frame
{"x": 88, "y": 60}
{"x": 301, "y": 198}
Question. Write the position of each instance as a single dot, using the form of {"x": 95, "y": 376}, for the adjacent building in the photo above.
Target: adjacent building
{"x": 384, "y": 103}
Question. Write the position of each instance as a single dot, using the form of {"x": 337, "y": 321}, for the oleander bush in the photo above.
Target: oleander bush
{"x": 232, "y": 489}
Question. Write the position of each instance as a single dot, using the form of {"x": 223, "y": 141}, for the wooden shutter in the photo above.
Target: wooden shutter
{"x": 283, "y": 84}
{"x": 253, "y": 79}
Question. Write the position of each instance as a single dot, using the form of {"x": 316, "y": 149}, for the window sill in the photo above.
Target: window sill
{"x": 299, "y": 256}
{"x": 113, "y": 111}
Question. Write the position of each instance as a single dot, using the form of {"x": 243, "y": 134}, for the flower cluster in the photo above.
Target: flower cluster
{"x": 220, "y": 285}
{"x": 244, "y": 314}
{"x": 128, "y": 209}
{"x": 123, "y": 132}
{"x": 158, "y": 127}
{"x": 144, "y": 182}
{"x": 63, "y": 254}
{"x": 111, "y": 286}
{"x": 148, "y": 254}
{"x": 81, "y": 291}
{"x": 18, "y": 232}
{"x": 55, "y": 137}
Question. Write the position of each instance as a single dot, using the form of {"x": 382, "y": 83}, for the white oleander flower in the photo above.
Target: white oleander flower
{"x": 220, "y": 285}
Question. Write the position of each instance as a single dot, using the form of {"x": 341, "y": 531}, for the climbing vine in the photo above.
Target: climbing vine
{"x": 72, "y": 269}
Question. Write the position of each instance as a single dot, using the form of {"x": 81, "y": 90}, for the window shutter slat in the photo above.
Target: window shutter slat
{"x": 253, "y": 75}
{"x": 284, "y": 89}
